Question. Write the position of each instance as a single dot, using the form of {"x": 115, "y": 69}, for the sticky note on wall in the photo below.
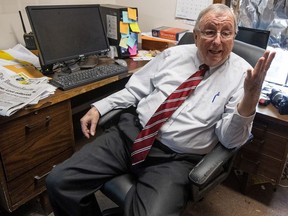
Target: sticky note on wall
{"x": 125, "y": 18}
{"x": 124, "y": 28}
{"x": 132, "y": 13}
{"x": 129, "y": 30}
{"x": 134, "y": 27}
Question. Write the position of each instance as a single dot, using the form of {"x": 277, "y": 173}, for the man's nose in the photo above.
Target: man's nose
{"x": 217, "y": 38}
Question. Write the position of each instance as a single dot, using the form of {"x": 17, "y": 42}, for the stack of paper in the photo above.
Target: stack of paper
{"x": 21, "y": 83}
{"x": 278, "y": 72}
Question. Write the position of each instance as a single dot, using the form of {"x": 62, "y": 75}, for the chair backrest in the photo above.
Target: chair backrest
{"x": 187, "y": 38}
{"x": 247, "y": 51}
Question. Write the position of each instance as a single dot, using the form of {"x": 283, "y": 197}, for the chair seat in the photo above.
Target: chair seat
{"x": 117, "y": 211}
{"x": 117, "y": 188}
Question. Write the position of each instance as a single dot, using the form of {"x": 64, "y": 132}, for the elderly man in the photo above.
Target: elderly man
{"x": 220, "y": 106}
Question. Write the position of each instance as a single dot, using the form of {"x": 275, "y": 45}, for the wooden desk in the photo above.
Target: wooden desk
{"x": 266, "y": 156}
{"x": 35, "y": 139}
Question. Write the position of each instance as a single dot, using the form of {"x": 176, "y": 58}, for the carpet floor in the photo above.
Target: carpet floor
{"x": 225, "y": 200}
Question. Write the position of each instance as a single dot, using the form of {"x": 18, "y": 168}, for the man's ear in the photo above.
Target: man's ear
{"x": 195, "y": 35}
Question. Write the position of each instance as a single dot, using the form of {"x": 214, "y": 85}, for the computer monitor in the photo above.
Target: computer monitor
{"x": 257, "y": 37}
{"x": 67, "y": 32}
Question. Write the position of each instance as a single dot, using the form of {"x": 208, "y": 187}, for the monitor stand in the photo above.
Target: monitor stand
{"x": 70, "y": 67}
{"x": 89, "y": 62}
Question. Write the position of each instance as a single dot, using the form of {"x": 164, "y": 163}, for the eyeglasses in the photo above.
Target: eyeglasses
{"x": 209, "y": 34}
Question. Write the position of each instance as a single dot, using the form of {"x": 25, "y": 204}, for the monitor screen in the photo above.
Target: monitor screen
{"x": 256, "y": 37}
{"x": 66, "y": 32}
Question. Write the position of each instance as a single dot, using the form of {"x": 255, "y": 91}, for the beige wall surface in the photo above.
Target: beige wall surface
{"x": 152, "y": 13}
{"x": 10, "y": 24}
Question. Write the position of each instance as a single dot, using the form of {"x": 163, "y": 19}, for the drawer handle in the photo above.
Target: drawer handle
{"x": 250, "y": 161}
{"x": 37, "y": 179}
{"x": 30, "y": 127}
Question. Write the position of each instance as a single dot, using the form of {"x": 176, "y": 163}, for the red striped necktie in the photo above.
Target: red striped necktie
{"x": 146, "y": 137}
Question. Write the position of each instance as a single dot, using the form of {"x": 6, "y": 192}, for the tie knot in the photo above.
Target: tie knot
{"x": 204, "y": 67}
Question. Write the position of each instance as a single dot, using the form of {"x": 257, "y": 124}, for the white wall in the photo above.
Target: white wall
{"x": 10, "y": 25}
{"x": 152, "y": 13}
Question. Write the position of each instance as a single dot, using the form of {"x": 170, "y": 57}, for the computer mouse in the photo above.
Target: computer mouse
{"x": 121, "y": 62}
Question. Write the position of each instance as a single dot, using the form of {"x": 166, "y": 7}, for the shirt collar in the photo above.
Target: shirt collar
{"x": 211, "y": 69}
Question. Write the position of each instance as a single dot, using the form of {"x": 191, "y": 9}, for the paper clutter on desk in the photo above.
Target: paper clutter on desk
{"x": 19, "y": 90}
{"x": 145, "y": 55}
{"x": 21, "y": 55}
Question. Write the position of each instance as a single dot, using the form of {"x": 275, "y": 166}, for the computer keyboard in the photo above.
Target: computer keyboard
{"x": 83, "y": 77}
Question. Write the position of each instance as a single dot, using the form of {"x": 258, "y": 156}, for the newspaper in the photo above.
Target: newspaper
{"x": 18, "y": 91}
{"x": 21, "y": 83}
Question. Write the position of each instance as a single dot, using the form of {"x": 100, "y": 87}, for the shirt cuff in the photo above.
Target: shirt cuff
{"x": 244, "y": 119}
{"x": 102, "y": 106}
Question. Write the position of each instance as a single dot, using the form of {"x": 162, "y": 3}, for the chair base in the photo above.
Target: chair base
{"x": 117, "y": 211}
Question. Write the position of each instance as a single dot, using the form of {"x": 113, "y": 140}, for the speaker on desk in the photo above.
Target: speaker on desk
{"x": 116, "y": 20}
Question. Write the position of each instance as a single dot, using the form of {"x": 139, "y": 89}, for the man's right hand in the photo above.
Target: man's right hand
{"x": 89, "y": 122}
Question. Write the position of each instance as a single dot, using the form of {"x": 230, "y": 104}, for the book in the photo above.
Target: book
{"x": 170, "y": 33}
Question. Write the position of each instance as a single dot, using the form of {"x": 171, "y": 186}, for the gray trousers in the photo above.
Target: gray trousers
{"x": 162, "y": 186}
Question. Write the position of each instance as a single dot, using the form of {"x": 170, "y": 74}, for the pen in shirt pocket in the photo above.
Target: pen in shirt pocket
{"x": 218, "y": 94}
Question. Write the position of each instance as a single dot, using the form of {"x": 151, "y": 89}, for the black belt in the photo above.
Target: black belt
{"x": 175, "y": 155}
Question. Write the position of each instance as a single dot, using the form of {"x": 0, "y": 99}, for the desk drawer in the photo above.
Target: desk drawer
{"x": 35, "y": 138}
{"x": 259, "y": 164}
{"x": 271, "y": 145}
{"x": 32, "y": 183}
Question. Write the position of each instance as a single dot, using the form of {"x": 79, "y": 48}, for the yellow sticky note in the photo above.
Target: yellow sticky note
{"x": 132, "y": 13}
{"x": 124, "y": 28}
{"x": 134, "y": 27}
{"x": 123, "y": 43}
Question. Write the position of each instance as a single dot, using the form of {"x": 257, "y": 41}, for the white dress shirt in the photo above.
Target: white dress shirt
{"x": 207, "y": 116}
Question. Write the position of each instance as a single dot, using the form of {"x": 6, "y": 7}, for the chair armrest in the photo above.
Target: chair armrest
{"x": 211, "y": 164}
{"x": 214, "y": 163}
{"x": 109, "y": 117}
{"x": 112, "y": 117}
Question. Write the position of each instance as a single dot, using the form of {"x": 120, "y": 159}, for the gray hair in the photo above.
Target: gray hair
{"x": 216, "y": 8}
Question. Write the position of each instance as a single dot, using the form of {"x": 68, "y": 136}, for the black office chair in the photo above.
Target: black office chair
{"x": 213, "y": 168}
